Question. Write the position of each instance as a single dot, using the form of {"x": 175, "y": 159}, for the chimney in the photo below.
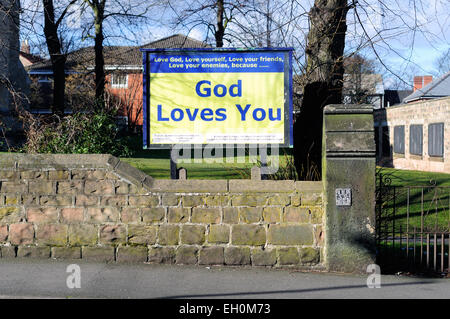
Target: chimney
{"x": 25, "y": 47}
{"x": 418, "y": 82}
{"x": 422, "y": 81}
{"x": 427, "y": 79}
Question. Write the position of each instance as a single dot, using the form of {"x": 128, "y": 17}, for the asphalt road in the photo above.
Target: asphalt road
{"x": 48, "y": 279}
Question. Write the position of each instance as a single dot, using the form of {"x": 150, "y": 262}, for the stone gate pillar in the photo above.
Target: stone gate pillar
{"x": 348, "y": 174}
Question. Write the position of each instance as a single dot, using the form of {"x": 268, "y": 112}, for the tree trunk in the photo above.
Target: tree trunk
{"x": 323, "y": 81}
{"x": 220, "y": 31}
{"x": 99, "y": 11}
{"x": 57, "y": 58}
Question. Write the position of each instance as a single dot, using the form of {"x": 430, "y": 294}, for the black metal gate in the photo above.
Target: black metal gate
{"x": 412, "y": 227}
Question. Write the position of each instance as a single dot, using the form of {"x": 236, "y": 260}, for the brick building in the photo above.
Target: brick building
{"x": 123, "y": 65}
{"x": 415, "y": 135}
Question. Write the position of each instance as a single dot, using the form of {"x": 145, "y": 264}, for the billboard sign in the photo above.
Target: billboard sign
{"x": 217, "y": 96}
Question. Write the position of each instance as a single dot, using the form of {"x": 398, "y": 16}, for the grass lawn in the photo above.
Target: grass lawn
{"x": 428, "y": 206}
{"x": 156, "y": 163}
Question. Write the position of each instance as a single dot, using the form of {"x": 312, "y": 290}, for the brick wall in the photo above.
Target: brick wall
{"x": 98, "y": 208}
{"x": 423, "y": 113}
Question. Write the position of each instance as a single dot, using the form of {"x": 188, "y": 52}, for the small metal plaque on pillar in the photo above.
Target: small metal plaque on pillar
{"x": 343, "y": 197}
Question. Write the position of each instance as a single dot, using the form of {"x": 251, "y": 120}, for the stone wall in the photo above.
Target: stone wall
{"x": 98, "y": 208}
{"x": 423, "y": 113}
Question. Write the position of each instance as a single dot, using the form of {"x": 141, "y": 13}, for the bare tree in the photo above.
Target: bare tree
{"x": 123, "y": 15}
{"x": 214, "y": 15}
{"x": 323, "y": 78}
{"x": 443, "y": 62}
{"x": 57, "y": 57}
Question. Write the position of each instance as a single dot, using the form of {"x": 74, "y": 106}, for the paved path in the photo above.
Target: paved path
{"x": 47, "y": 279}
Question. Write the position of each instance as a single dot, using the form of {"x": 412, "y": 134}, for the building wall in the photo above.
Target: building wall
{"x": 98, "y": 208}
{"x": 131, "y": 97}
{"x": 11, "y": 69}
{"x": 424, "y": 113}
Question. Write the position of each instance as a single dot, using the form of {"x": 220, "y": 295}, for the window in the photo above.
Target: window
{"x": 415, "y": 139}
{"x": 44, "y": 79}
{"x": 385, "y": 143}
{"x": 399, "y": 139}
{"x": 436, "y": 139}
{"x": 119, "y": 81}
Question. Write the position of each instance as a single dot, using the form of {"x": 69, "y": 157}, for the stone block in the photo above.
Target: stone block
{"x": 170, "y": 200}
{"x": 143, "y": 200}
{"x": 178, "y": 214}
{"x": 122, "y": 188}
{"x": 13, "y": 187}
{"x": 290, "y": 234}
{"x": 58, "y": 175}
{"x": 42, "y": 215}
{"x": 279, "y": 200}
{"x": 113, "y": 200}
{"x": 11, "y": 214}
{"x": 66, "y": 252}
{"x": 230, "y": 215}
{"x": 264, "y": 186}
{"x": 102, "y": 215}
{"x": 33, "y": 252}
{"x": 8, "y": 175}
{"x": 168, "y": 235}
{"x": 217, "y": 200}
{"x": 12, "y": 200}
{"x": 3, "y": 233}
{"x": 219, "y": 234}
{"x": 83, "y": 234}
{"x": 52, "y": 234}
{"x": 113, "y": 234}
{"x": 99, "y": 187}
{"x": 55, "y": 200}
{"x": 21, "y": 234}
{"x": 309, "y": 255}
{"x": 250, "y": 214}
{"x": 186, "y": 255}
{"x": 130, "y": 215}
{"x": 192, "y": 234}
{"x": 288, "y": 256}
{"x": 161, "y": 255}
{"x": 212, "y": 255}
{"x": 205, "y": 215}
{"x": 85, "y": 200}
{"x": 41, "y": 187}
{"x": 311, "y": 198}
{"x": 264, "y": 257}
{"x": 237, "y": 255}
{"x": 98, "y": 254}
{"x": 132, "y": 254}
{"x": 72, "y": 215}
{"x": 154, "y": 214}
{"x": 294, "y": 214}
{"x": 193, "y": 201}
{"x": 69, "y": 188}
{"x": 272, "y": 214}
{"x": 252, "y": 235}
{"x": 8, "y": 251}
{"x": 249, "y": 200}
{"x": 142, "y": 234}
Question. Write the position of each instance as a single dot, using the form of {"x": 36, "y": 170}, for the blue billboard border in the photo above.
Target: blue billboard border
{"x": 146, "y": 88}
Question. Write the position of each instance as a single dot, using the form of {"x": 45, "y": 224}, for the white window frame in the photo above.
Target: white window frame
{"x": 119, "y": 85}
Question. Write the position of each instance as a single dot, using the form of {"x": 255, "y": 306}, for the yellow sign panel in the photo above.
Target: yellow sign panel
{"x": 217, "y": 99}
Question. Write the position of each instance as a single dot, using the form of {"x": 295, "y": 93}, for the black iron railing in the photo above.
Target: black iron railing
{"x": 412, "y": 227}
